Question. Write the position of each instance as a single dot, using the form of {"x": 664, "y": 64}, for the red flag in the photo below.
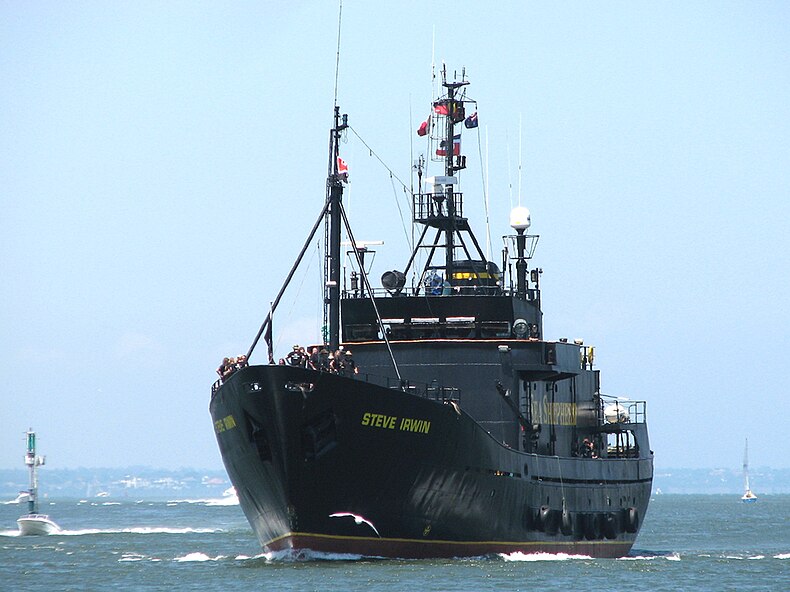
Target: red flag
{"x": 424, "y": 128}
{"x": 342, "y": 169}
{"x": 441, "y": 108}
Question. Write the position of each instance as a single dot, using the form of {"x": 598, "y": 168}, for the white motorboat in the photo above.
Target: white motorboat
{"x": 36, "y": 524}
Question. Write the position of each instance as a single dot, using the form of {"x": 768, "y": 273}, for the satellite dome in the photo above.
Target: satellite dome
{"x": 520, "y": 218}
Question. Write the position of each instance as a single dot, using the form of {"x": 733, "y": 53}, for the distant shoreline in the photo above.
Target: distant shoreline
{"x": 183, "y": 483}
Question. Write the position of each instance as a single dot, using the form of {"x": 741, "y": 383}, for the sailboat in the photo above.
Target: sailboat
{"x": 34, "y": 523}
{"x": 748, "y": 496}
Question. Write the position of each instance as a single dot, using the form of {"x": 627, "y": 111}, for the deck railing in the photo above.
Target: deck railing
{"x": 432, "y": 391}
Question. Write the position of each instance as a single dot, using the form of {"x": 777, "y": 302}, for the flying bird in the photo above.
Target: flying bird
{"x": 357, "y": 519}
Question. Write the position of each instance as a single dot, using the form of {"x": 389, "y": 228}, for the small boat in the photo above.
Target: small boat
{"x": 34, "y": 523}
{"x": 748, "y": 495}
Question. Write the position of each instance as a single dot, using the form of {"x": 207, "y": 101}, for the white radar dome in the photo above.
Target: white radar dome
{"x": 520, "y": 218}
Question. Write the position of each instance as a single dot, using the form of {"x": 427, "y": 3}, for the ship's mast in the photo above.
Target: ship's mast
{"x": 441, "y": 207}
{"x": 449, "y": 167}
{"x": 335, "y": 198}
{"x": 746, "y": 465}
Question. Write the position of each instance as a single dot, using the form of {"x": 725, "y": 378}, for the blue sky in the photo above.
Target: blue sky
{"x": 161, "y": 164}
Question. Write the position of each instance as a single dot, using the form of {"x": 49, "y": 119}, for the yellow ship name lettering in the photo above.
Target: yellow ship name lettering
{"x": 421, "y": 426}
{"x": 377, "y": 420}
{"x": 224, "y": 424}
{"x": 390, "y": 422}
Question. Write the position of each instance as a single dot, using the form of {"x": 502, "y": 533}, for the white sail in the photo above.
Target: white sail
{"x": 748, "y": 496}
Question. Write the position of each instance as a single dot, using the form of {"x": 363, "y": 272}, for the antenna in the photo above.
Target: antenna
{"x": 509, "y": 179}
{"x": 488, "y": 196}
{"x": 433, "y": 61}
{"x": 520, "y": 143}
{"x": 337, "y": 59}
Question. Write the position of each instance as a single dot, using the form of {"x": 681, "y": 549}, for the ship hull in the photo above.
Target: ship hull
{"x": 36, "y": 525}
{"x": 335, "y": 464}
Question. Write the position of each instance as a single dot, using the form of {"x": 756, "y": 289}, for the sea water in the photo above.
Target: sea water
{"x": 700, "y": 543}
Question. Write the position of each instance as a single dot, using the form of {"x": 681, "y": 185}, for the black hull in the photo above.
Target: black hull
{"x": 429, "y": 481}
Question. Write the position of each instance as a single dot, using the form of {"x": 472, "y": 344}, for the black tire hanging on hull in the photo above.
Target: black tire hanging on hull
{"x": 549, "y": 520}
{"x": 611, "y": 525}
{"x": 592, "y": 527}
{"x": 630, "y": 520}
{"x": 579, "y": 524}
{"x": 566, "y": 523}
{"x": 529, "y": 519}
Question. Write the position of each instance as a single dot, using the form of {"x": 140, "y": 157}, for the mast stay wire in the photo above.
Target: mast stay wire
{"x": 273, "y": 305}
{"x": 370, "y": 291}
{"x": 392, "y": 174}
{"x": 411, "y": 171}
{"x": 483, "y": 173}
{"x": 289, "y": 314}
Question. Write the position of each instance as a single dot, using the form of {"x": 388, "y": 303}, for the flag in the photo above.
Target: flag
{"x": 441, "y": 109}
{"x": 442, "y": 150}
{"x": 457, "y": 111}
{"x": 267, "y": 337}
{"x": 471, "y": 121}
{"x": 424, "y": 128}
{"x": 342, "y": 169}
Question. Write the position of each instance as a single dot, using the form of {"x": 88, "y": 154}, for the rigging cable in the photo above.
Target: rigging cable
{"x": 411, "y": 169}
{"x": 483, "y": 173}
{"x": 406, "y": 190}
{"x": 289, "y": 314}
{"x": 562, "y": 486}
{"x": 370, "y": 291}
{"x": 273, "y": 306}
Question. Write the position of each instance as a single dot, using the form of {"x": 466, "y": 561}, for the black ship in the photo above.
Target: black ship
{"x": 465, "y": 432}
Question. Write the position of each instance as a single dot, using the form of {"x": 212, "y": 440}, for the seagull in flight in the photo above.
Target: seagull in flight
{"x": 357, "y": 519}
